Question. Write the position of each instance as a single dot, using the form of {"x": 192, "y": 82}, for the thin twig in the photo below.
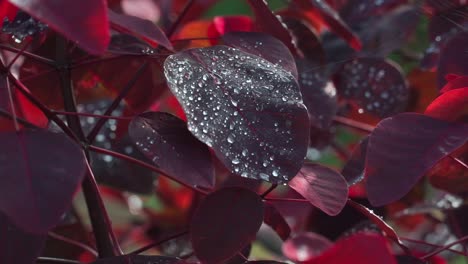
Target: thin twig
{"x": 48, "y": 260}
{"x": 93, "y": 115}
{"x": 74, "y": 243}
{"x": 430, "y": 244}
{"x": 443, "y": 248}
{"x": 20, "y": 120}
{"x": 363, "y": 127}
{"x": 179, "y": 20}
{"x": 29, "y": 55}
{"x": 157, "y": 243}
{"x": 269, "y": 190}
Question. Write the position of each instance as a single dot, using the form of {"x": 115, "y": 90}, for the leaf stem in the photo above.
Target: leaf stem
{"x": 20, "y": 120}
{"x": 157, "y": 243}
{"x": 28, "y": 55}
{"x": 269, "y": 190}
{"x": 74, "y": 243}
{"x": 48, "y": 260}
{"x": 443, "y": 248}
{"x": 179, "y": 20}
{"x": 363, "y": 127}
{"x": 431, "y": 245}
{"x": 93, "y": 115}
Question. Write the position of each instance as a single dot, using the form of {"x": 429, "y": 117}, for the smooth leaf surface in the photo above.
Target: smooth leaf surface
{"x": 225, "y": 222}
{"x": 248, "y": 110}
{"x": 165, "y": 140}
{"x": 353, "y": 171}
{"x": 264, "y": 46}
{"x": 451, "y": 59}
{"x": 37, "y": 188}
{"x": 140, "y": 259}
{"x": 142, "y": 28}
{"x": 376, "y": 86}
{"x": 305, "y": 246}
{"x": 449, "y": 106}
{"x": 84, "y": 22}
{"x": 325, "y": 188}
{"x": 402, "y": 149}
{"x": 19, "y": 246}
{"x": 276, "y": 221}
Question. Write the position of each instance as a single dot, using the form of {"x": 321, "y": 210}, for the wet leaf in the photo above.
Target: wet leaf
{"x": 263, "y": 46}
{"x": 322, "y": 186}
{"x": 226, "y": 220}
{"x": 73, "y": 20}
{"x": 305, "y": 246}
{"x": 276, "y": 221}
{"x": 19, "y": 246}
{"x": 138, "y": 27}
{"x": 36, "y": 189}
{"x": 248, "y": 110}
{"x": 375, "y": 85}
{"x": 165, "y": 140}
{"x": 402, "y": 149}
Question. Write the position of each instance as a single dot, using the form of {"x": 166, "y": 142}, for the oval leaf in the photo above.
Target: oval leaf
{"x": 325, "y": 188}
{"x": 402, "y": 149}
{"x": 449, "y": 106}
{"x": 226, "y": 221}
{"x": 73, "y": 19}
{"x": 38, "y": 181}
{"x": 276, "y": 221}
{"x": 451, "y": 59}
{"x": 353, "y": 171}
{"x": 142, "y": 28}
{"x": 247, "y": 109}
{"x": 165, "y": 140}
{"x": 376, "y": 85}
{"x": 305, "y": 246}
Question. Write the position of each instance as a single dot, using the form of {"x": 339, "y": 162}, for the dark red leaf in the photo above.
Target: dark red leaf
{"x": 17, "y": 245}
{"x": 197, "y": 8}
{"x": 377, "y": 86}
{"x": 353, "y": 171}
{"x": 356, "y": 11}
{"x": 264, "y": 262}
{"x": 138, "y": 27}
{"x": 225, "y": 222}
{"x": 305, "y": 246}
{"x": 331, "y": 18}
{"x": 234, "y": 180}
{"x": 248, "y": 110}
{"x": 84, "y": 22}
{"x": 264, "y": 46}
{"x": 165, "y": 140}
{"x": 402, "y": 149}
{"x": 276, "y": 221}
{"x": 140, "y": 259}
{"x": 269, "y": 23}
{"x": 7, "y": 10}
{"x": 449, "y": 106}
{"x": 360, "y": 248}
{"x": 36, "y": 189}
{"x": 451, "y": 59}
{"x": 455, "y": 83}
{"x": 325, "y": 188}
{"x": 226, "y": 24}
{"x": 318, "y": 93}
{"x": 447, "y": 21}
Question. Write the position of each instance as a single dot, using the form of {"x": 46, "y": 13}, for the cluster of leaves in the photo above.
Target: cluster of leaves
{"x": 220, "y": 122}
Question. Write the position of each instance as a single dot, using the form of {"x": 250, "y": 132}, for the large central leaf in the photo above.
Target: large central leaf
{"x": 247, "y": 109}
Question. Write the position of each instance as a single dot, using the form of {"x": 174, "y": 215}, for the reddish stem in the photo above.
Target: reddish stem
{"x": 93, "y": 115}
{"x": 363, "y": 127}
{"x": 179, "y": 20}
{"x": 157, "y": 243}
{"x": 430, "y": 244}
{"x": 74, "y": 243}
{"x": 446, "y": 247}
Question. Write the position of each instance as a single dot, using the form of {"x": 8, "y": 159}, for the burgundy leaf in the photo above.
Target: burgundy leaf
{"x": 449, "y": 106}
{"x": 165, "y": 140}
{"x": 455, "y": 83}
{"x": 234, "y": 180}
{"x": 377, "y": 86}
{"x": 305, "y": 246}
{"x": 318, "y": 93}
{"x": 402, "y": 149}
{"x": 139, "y": 259}
{"x": 451, "y": 59}
{"x": 84, "y": 22}
{"x": 356, "y": 11}
{"x": 248, "y": 110}
{"x": 269, "y": 23}
{"x": 37, "y": 187}
{"x": 264, "y": 46}
{"x": 138, "y": 27}
{"x": 360, "y": 248}
{"x": 276, "y": 221}
{"x": 331, "y": 18}
{"x": 17, "y": 245}
{"x": 225, "y": 222}
{"x": 325, "y": 188}
{"x": 353, "y": 171}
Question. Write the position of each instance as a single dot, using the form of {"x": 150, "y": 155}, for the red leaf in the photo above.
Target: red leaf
{"x": 17, "y": 245}
{"x": 331, "y": 18}
{"x": 226, "y": 24}
{"x": 84, "y": 22}
{"x": 451, "y": 59}
{"x": 139, "y": 259}
{"x": 449, "y": 106}
{"x": 269, "y": 23}
{"x": 360, "y": 248}
{"x": 402, "y": 149}
{"x": 305, "y": 246}
{"x": 455, "y": 82}
{"x": 165, "y": 140}
{"x": 276, "y": 221}
{"x": 37, "y": 188}
{"x": 322, "y": 186}
{"x": 224, "y": 223}
{"x": 141, "y": 28}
